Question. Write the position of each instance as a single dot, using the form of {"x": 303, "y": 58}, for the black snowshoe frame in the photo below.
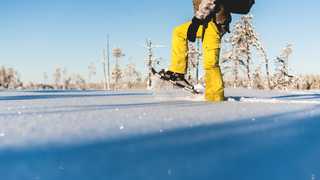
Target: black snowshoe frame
{"x": 189, "y": 88}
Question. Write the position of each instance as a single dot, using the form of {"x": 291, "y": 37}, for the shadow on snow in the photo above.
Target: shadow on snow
{"x": 274, "y": 147}
{"x": 67, "y": 95}
{"x": 102, "y": 107}
{"x": 314, "y": 96}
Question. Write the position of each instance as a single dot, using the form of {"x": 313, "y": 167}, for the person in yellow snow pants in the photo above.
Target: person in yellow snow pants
{"x": 214, "y": 90}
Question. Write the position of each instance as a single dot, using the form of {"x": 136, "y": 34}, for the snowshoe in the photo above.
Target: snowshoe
{"x": 176, "y": 79}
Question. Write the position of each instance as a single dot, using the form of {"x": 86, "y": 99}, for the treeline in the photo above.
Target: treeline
{"x": 244, "y": 63}
{"x": 130, "y": 78}
{"x": 299, "y": 82}
{"x": 121, "y": 78}
{"x": 9, "y": 78}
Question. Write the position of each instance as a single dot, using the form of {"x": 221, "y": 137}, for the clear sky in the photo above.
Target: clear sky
{"x": 37, "y": 36}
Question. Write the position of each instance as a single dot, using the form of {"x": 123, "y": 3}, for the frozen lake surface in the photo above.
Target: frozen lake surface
{"x": 159, "y": 135}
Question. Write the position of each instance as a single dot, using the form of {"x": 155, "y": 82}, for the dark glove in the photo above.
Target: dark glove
{"x": 193, "y": 29}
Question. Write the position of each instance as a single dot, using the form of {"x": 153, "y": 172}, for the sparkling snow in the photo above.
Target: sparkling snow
{"x": 159, "y": 135}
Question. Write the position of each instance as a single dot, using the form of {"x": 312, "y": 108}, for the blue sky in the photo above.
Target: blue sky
{"x": 37, "y": 36}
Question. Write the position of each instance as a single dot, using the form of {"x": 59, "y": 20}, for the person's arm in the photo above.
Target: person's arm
{"x": 205, "y": 9}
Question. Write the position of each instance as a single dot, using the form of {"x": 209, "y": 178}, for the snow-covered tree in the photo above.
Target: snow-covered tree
{"x": 194, "y": 58}
{"x": 282, "y": 79}
{"x": 258, "y": 79}
{"x": 231, "y": 63}
{"x": 9, "y": 78}
{"x": 117, "y": 72}
{"x": 307, "y": 82}
{"x": 116, "y": 76}
{"x": 65, "y": 79}
{"x": 79, "y": 82}
{"x": 240, "y": 57}
{"x": 57, "y": 75}
{"x": 151, "y": 61}
{"x": 131, "y": 75}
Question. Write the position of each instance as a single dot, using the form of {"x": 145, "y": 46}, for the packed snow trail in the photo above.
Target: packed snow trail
{"x": 161, "y": 135}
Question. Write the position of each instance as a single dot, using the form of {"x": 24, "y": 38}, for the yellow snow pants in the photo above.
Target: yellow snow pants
{"x": 214, "y": 91}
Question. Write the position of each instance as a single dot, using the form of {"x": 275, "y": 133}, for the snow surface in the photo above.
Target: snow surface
{"x": 159, "y": 135}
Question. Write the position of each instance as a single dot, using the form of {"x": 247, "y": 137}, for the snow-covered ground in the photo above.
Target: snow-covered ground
{"x": 159, "y": 135}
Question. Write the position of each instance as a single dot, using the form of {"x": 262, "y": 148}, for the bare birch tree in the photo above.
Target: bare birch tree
{"x": 242, "y": 40}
